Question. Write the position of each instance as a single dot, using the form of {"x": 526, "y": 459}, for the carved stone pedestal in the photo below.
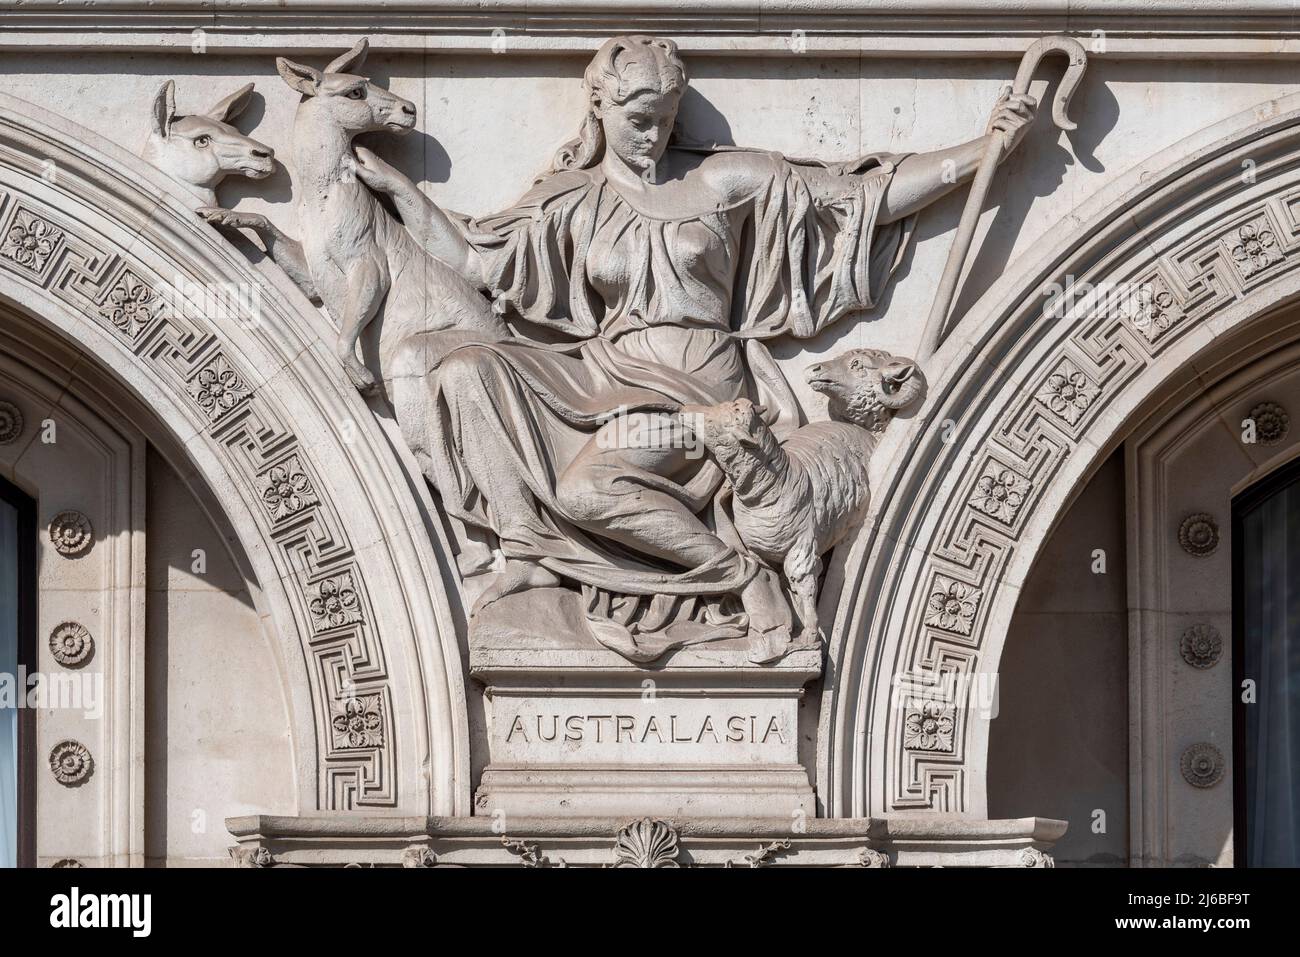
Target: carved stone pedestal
{"x": 578, "y": 731}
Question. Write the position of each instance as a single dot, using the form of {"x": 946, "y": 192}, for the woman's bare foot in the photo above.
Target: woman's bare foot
{"x": 517, "y": 576}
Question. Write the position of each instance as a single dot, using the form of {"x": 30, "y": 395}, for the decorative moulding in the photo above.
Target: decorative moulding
{"x": 71, "y": 763}
{"x": 1202, "y": 765}
{"x": 11, "y": 422}
{"x": 71, "y": 644}
{"x": 1271, "y": 422}
{"x": 1201, "y": 646}
{"x": 603, "y": 841}
{"x": 1199, "y": 535}
{"x": 1156, "y": 29}
{"x": 71, "y": 533}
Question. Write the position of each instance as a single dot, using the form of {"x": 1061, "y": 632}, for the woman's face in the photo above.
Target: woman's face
{"x": 637, "y": 130}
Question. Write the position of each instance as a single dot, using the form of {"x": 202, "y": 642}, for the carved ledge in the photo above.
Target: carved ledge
{"x": 928, "y": 840}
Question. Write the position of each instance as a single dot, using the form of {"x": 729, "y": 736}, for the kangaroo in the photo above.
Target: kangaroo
{"x": 203, "y": 149}
{"x": 355, "y": 256}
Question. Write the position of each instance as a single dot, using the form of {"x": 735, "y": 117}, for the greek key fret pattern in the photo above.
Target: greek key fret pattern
{"x": 186, "y": 352}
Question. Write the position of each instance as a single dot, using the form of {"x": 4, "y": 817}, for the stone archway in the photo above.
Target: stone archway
{"x": 1208, "y": 242}
{"x": 95, "y": 243}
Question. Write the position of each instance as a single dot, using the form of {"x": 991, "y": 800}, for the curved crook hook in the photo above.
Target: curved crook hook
{"x": 1069, "y": 83}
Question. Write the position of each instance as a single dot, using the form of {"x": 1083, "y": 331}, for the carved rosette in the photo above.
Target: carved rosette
{"x": 31, "y": 242}
{"x": 928, "y": 726}
{"x": 1255, "y": 247}
{"x": 1033, "y": 857}
{"x": 1271, "y": 423}
{"x": 1000, "y": 492}
{"x": 11, "y": 422}
{"x": 1199, "y": 535}
{"x": 335, "y": 602}
{"x": 286, "y": 489}
{"x": 952, "y": 606}
{"x": 71, "y": 763}
{"x": 360, "y": 723}
{"x": 646, "y": 843}
{"x": 1202, "y": 765}
{"x": 1201, "y": 646}
{"x": 1154, "y": 310}
{"x": 218, "y": 388}
{"x": 71, "y": 534}
{"x": 1068, "y": 392}
{"x": 71, "y": 644}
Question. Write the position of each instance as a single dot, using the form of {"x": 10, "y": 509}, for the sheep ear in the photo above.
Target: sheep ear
{"x": 233, "y": 105}
{"x": 305, "y": 79}
{"x": 164, "y": 109}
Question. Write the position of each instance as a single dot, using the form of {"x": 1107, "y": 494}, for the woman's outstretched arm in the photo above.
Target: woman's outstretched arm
{"x": 428, "y": 224}
{"x": 922, "y": 178}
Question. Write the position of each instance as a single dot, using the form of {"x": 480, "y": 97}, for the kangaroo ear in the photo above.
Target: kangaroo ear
{"x": 304, "y": 79}
{"x": 233, "y": 105}
{"x": 164, "y": 109}
{"x": 351, "y": 60}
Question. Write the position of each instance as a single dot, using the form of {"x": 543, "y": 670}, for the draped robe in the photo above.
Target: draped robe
{"x": 616, "y": 311}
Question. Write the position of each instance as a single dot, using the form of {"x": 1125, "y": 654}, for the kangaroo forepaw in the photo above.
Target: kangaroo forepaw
{"x": 218, "y": 216}
{"x": 362, "y": 378}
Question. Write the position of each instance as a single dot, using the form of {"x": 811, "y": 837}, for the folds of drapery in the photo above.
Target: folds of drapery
{"x": 502, "y": 420}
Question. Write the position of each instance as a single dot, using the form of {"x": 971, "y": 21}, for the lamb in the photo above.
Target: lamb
{"x": 795, "y": 500}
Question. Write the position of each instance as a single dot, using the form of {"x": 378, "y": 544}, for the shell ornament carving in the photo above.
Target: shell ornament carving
{"x": 71, "y": 644}
{"x": 11, "y": 422}
{"x": 646, "y": 843}
{"x": 1199, "y": 534}
{"x": 1201, "y": 646}
{"x": 1202, "y": 765}
{"x": 1271, "y": 423}
{"x": 71, "y": 534}
{"x": 71, "y": 763}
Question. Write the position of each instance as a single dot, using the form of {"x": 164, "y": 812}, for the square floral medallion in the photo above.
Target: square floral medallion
{"x": 30, "y": 242}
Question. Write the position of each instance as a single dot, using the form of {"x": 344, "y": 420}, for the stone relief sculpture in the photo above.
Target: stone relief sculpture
{"x": 203, "y": 149}
{"x": 796, "y": 500}
{"x": 549, "y": 364}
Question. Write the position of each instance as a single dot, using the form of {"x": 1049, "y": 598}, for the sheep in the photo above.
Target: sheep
{"x": 795, "y": 500}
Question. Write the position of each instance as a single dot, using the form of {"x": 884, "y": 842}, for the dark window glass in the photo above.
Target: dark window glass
{"x": 1266, "y": 543}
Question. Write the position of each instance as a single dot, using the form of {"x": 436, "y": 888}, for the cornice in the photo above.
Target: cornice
{"x": 1153, "y": 29}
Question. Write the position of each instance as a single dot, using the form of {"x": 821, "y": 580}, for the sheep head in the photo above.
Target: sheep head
{"x": 732, "y": 431}
{"x": 867, "y": 387}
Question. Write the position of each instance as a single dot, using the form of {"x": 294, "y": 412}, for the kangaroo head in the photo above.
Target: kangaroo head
{"x": 202, "y": 149}
{"x": 348, "y": 102}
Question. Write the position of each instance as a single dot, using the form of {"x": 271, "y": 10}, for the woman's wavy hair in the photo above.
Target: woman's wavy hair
{"x": 604, "y": 79}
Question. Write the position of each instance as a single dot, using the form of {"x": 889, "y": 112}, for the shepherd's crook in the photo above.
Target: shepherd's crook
{"x": 970, "y": 216}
